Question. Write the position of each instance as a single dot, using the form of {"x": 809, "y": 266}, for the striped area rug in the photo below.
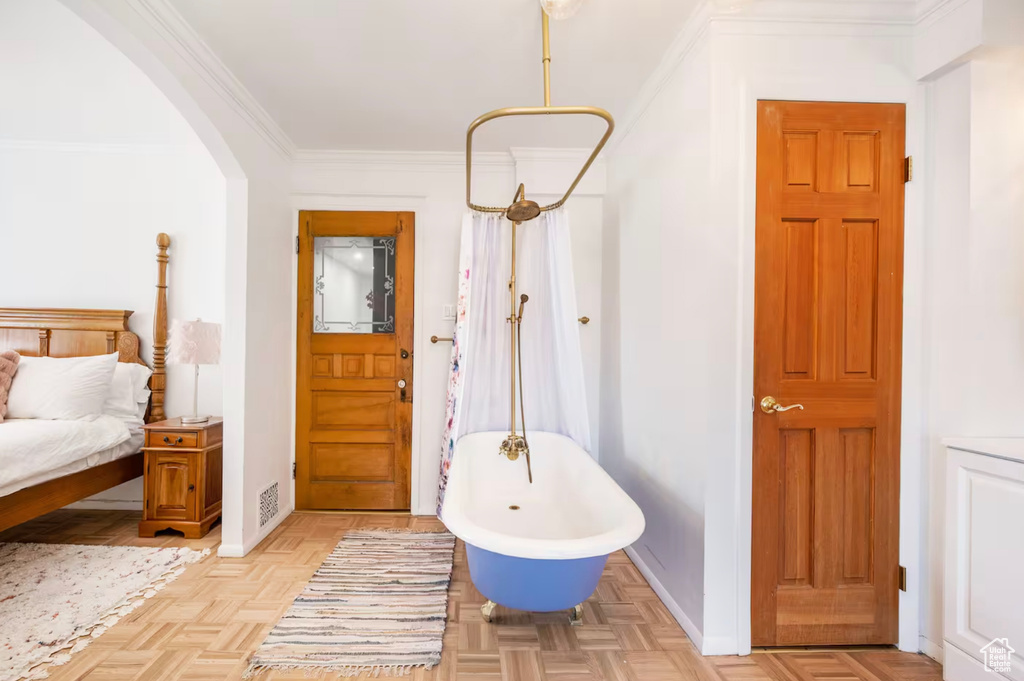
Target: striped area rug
{"x": 378, "y": 604}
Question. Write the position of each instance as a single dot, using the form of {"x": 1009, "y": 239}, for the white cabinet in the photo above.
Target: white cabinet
{"x": 984, "y": 585}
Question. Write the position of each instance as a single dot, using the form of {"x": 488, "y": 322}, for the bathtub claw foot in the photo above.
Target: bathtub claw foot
{"x": 576, "y": 616}
{"x": 487, "y": 610}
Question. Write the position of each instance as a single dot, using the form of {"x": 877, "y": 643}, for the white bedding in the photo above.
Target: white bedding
{"x": 37, "y": 450}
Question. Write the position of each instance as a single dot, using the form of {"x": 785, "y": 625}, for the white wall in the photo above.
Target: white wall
{"x": 253, "y": 156}
{"x": 682, "y": 177}
{"x": 433, "y": 187}
{"x": 975, "y": 246}
{"x": 85, "y": 189}
{"x": 665, "y": 407}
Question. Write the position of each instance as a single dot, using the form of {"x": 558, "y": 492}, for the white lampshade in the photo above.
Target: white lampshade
{"x": 195, "y": 342}
{"x": 560, "y": 9}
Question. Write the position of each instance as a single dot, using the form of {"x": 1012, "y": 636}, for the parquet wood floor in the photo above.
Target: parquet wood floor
{"x": 204, "y": 626}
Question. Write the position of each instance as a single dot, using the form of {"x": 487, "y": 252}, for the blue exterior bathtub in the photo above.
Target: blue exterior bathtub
{"x": 537, "y": 546}
{"x": 532, "y": 584}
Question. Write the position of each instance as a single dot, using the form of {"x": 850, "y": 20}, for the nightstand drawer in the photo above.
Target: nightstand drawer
{"x": 172, "y": 438}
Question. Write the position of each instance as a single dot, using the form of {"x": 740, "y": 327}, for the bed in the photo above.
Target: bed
{"x": 70, "y": 460}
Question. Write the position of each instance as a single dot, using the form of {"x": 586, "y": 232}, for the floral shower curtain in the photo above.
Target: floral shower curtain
{"x": 553, "y": 384}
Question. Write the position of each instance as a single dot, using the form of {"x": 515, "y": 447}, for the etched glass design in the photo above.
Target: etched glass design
{"x": 353, "y": 284}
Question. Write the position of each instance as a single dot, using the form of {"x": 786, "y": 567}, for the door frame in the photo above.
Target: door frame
{"x": 362, "y": 202}
{"x": 912, "y": 447}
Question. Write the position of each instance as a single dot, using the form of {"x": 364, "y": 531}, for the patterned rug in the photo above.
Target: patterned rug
{"x": 378, "y": 604}
{"x": 55, "y": 599}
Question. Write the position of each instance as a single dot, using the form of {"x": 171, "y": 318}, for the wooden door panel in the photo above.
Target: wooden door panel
{"x": 858, "y": 161}
{"x": 353, "y": 410}
{"x": 857, "y": 451}
{"x": 322, "y": 366}
{"x": 354, "y": 387}
{"x": 352, "y": 462}
{"x": 796, "y": 505}
{"x": 800, "y": 336}
{"x": 828, "y": 315}
{"x": 349, "y": 366}
{"x": 356, "y": 496}
{"x": 857, "y": 337}
{"x": 801, "y": 160}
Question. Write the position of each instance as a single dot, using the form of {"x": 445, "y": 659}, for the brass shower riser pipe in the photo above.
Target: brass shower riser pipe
{"x": 546, "y": 39}
{"x": 512, "y": 326}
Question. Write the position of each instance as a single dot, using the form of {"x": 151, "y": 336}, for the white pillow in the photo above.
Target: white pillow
{"x": 143, "y": 406}
{"x": 122, "y": 400}
{"x": 140, "y": 379}
{"x": 64, "y": 388}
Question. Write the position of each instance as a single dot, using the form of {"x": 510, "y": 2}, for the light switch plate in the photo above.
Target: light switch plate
{"x": 448, "y": 311}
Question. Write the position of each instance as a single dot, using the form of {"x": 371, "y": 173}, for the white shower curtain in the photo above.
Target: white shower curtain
{"x": 553, "y": 386}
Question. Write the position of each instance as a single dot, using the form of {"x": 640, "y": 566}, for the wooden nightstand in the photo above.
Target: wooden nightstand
{"x": 183, "y": 477}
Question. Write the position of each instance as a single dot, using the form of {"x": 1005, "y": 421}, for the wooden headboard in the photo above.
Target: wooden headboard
{"x": 56, "y": 332}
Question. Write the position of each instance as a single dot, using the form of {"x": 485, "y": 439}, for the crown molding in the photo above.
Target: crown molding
{"x": 781, "y": 17}
{"x": 549, "y": 171}
{"x": 443, "y": 161}
{"x": 899, "y": 13}
{"x": 694, "y": 30}
{"x": 345, "y": 201}
{"x": 932, "y": 11}
{"x": 542, "y": 154}
{"x": 177, "y": 32}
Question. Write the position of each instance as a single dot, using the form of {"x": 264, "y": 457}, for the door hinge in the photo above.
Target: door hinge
{"x": 296, "y": 245}
{"x": 293, "y": 470}
{"x": 903, "y": 578}
{"x": 908, "y": 169}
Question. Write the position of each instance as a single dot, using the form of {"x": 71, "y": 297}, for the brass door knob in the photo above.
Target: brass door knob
{"x": 769, "y": 405}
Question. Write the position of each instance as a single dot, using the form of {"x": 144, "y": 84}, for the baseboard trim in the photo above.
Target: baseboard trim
{"x": 719, "y": 645}
{"x": 931, "y": 649}
{"x": 242, "y": 550}
{"x": 106, "y": 505}
{"x": 684, "y": 621}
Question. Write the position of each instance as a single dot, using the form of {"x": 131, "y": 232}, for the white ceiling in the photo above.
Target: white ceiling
{"x": 412, "y": 74}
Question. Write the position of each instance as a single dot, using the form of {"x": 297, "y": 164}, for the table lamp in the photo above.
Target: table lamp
{"x": 195, "y": 343}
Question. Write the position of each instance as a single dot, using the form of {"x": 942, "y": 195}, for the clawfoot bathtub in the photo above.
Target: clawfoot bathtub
{"x": 539, "y": 547}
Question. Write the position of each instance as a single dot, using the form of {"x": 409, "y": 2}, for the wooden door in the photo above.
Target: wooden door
{"x": 354, "y": 366}
{"x": 827, "y": 336}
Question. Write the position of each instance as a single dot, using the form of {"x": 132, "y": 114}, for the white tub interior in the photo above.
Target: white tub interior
{"x": 573, "y": 509}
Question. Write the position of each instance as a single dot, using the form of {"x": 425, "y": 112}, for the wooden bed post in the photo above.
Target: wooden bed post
{"x": 158, "y": 381}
